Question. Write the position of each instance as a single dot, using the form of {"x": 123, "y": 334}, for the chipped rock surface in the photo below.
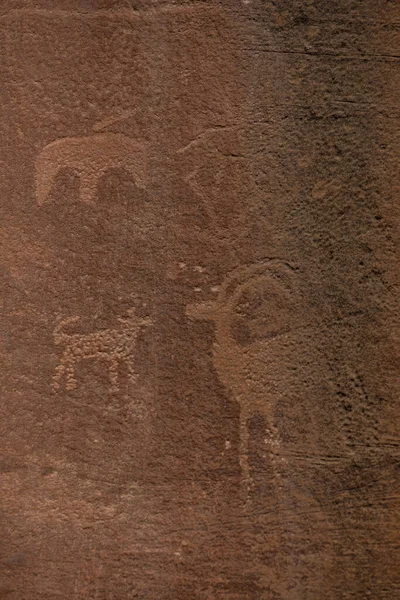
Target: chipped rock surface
{"x": 198, "y": 314}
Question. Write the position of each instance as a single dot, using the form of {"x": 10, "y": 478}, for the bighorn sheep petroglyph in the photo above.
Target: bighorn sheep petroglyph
{"x": 254, "y": 316}
{"x": 115, "y": 346}
{"x": 90, "y": 157}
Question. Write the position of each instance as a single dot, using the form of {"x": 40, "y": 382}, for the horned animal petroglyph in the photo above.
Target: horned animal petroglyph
{"x": 115, "y": 346}
{"x": 254, "y": 314}
{"x": 90, "y": 157}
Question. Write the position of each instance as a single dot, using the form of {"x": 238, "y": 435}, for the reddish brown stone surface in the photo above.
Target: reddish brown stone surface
{"x": 199, "y": 318}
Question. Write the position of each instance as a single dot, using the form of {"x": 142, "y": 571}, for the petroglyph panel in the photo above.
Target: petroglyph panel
{"x": 227, "y": 168}
{"x": 98, "y": 102}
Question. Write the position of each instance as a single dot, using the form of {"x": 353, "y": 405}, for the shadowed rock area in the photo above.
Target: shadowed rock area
{"x": 199, "y": 334}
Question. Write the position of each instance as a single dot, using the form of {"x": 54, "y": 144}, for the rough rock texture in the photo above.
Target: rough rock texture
{"x": 198, "y": 327}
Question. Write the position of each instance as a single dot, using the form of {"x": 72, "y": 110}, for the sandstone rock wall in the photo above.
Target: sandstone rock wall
{"x": 198, "y": 310}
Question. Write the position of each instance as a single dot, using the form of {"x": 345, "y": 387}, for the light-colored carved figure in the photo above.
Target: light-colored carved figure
{"x": 90, "y": 157}
{"x": 115, "y": 346}
{"x": 217, "y": 171}
{"x": 255, "y": 315}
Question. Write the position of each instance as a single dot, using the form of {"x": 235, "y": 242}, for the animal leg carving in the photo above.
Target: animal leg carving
{"x": 244, "y": 451}
{"x": 58, "y": 377}
{"x": 46, "y": 171}
{"x": 70, "y": 376}
{"x": 131, "y": 371}
{"x": 88, "y": 182}
{"x": 113, "y": 375}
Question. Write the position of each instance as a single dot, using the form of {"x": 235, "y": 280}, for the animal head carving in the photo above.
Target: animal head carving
{"x": 132, "y": 319}
{"x": 254, "y": 303}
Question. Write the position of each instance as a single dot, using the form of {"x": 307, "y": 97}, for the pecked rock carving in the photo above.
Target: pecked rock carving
{"x": 115, "y": 346}
{"x": 254, "y": 314}
{"x": 90, "y": 157}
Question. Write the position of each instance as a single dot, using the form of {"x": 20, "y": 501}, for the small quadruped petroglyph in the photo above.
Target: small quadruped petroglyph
{"x": 114, "y": 346}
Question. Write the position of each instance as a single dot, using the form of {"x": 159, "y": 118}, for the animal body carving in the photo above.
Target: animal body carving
{"x": 89, "y": 157}
{"x": 115, "y": 346}
{"x": 254, "y": 315}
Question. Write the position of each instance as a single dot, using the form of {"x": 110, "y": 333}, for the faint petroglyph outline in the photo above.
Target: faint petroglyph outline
{"x": 90, "y": 156}
{"x": 204, "y": 134}
{"x": 220, "y": 312}
{"x": 113, "y": 345}
{"x": 243, "y": 222}
{"x": 108, "y": 121}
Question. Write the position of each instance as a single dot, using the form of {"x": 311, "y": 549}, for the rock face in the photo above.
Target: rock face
{"x": 199, "y": 323}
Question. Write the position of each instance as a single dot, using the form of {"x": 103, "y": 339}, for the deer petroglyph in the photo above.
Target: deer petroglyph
{"x": 254, "y": 315}
{"x": 115, "y": 346}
